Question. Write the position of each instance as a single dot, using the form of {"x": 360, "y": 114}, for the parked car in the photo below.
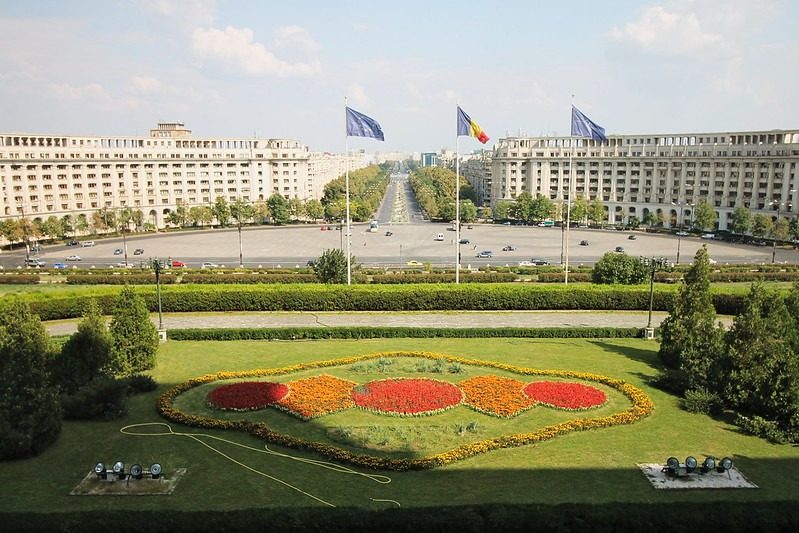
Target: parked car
{"x": 485, "y": 254}
{"x": 208, "y": 264}
{"x": 413, "y": 263}
{"x": 73, "y": 242}
{"x": 632, "y": 237}
{"x": 59, "y": 266}
{"x": 177, "y": 264}
{"x": 708, "y": 236}
{"x": 118, "y": 251}
{"x": 138, "y": 251}
{"x": 464, "y": 241}
{"x": 583, "y": 243}
{"x": 87, "y": 244}
{"x": 509, "y": 248}
{"x": 539, "y": 262}
{"x": 682, "y": 233}
{"x": 34, "y": 262}
{"x": 759, "y": 243}
{"x": 506, "y": 223}
{"x": 620, "y": 249}
{"x": 73, "y": 258}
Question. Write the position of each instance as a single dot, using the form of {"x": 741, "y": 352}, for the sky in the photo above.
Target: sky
{"x": 282, "y": 69}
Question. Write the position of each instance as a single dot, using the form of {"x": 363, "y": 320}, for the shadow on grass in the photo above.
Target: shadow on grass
{"x": 636, "y": 354}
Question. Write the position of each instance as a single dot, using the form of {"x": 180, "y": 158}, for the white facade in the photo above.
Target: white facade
{"x": 665, "y": 174}
{"x": 44, "y": 175}
{"x": 324, "y": 167}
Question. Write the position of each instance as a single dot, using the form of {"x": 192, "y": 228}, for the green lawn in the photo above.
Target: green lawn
{"x": 588, "y": 467}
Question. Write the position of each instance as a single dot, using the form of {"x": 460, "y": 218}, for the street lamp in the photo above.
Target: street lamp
{"x": 156, "y": 264}
{"x": 680, "y": 231}
{"x": 779, "y": 205}
{"x": 653, "y": 264}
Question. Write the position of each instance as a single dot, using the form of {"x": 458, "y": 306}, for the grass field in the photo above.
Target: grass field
{"x": 587, "y": 467}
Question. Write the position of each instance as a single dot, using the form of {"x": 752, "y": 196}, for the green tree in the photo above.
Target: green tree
{"x": 705, "y": 217}
{"x": 633, "y": 222}
{"x": 761, "y": 367}
{"x": 761, "y": 225}
{"x": 134, "y": 338}
{"x": 485, "y": 212}
{"x": 502, "y": 210}
{"x": 87, "y": 353}
{"x": 297, "y": 209}
{"x": 523, "y": 209}
{"x": 780, "y": 230}
{"x": 542, "y": 208}
{"x": 221, "y": 211}
{"x": 81, "y": 223}
{"x": 692, "y": 340}
{"x": 596, "y": 212}
{"x": 68, "y": 224}
{"x": 468, "y": 211}
{"x": 331, "y": 266}
{"x": 30, "y": 412}
{"x": 741, "y": 221}
{"x": 314, "y": 209}
{"x": 793, "y": 227}
{"x": 52, "y": 227}
{"x": 650, "y": 219}
{"x": 619, "y": 268}
{"x": 241, "y": 211}
{"x": 279, "y": 207}
{"x": 11, "y": 229}
{"x": 579, "y": 210}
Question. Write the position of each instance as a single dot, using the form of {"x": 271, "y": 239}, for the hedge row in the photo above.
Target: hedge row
{"x": 249, "y": 278}
{"x": 19, "y": 279}
{"x": 559, "y": 277}
{"x": 119, "y": 279}
{"x": 424, "y": 277}
{"x": 363, "y": 332}
{"x": 423, "y": 297}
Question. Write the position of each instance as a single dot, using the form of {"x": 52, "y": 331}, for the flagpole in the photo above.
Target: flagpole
{"x": 347, "y": 191}
{"x": 457, "y": 208}
{"x": 569, "y": 204}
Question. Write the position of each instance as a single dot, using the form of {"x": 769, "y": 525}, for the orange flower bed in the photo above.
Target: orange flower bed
{"x": 317, "y": 396}
{"x": 495, "y": 395}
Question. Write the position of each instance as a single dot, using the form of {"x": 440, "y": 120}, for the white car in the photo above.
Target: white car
{"x": 87, "y": 244}
{"x": 73, "y": 258}
{"x": 708, "y": 236}
{"x": 209, "y": 265}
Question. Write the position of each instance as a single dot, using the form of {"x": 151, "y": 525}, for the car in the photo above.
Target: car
{"x": 73, "y": 258}
{"x": 506, "y": 223}
{"x": 464, "y": 241}
{"x": 87, "y": 244}
{"x": 439, "y": 237}
{"x": 632, "y": 237}
{"x": 208, "y": 264}
{"x": 413, "y": 263}
{"x": 34, "y": 262}
{"x": 583, "y": 243}
{"x": 73, "y": 242}
{"x": 539, "y": 262}
{"x": 177, "y": 264}
{"x": 620, "y": 249}
{"x": 59, "y": 266}
{"x": 708, "y": 236}
{"x": 509, "y": 248}
{"x": 682, "y": 233}
{"x": 389, "y": 233}
{"x": 118, "y": 251}
{"x": 759, "y": 243}
{"x": 138, "y": 251}
{"x": 485, "y": 254}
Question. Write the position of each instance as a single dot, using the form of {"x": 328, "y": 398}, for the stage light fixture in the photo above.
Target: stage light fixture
{"x": 155, "y": 470}
{"x": 136, "y": 471}
{"x": 119, "y": 469}
{"x": 99, "y": 469}
{"x": 708, "y": 464}
{"x": 725, "y": 464}
{"x": 690, "y": 464}
{"x": 672, "y": 465}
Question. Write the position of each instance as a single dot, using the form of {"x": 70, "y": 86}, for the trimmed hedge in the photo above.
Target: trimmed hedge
{"x": 559, "y": 277}
{"x": 119, "y": 279}
{"x": 423, "y": 277}
{"x": 19, "y": 279}
{"x": 255, "y": 277}
{"x": 365, "y": 332}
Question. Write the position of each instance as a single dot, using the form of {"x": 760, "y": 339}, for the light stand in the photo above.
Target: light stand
{"x": 653, "y": 264}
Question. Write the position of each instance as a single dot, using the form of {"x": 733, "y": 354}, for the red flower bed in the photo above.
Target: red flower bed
{"x": 407, "y": 396}
{"x": 565, "y": 395}
{"x": 247, "y": 395}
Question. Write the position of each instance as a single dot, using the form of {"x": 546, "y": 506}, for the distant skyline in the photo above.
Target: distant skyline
{"x": 240, "y": 68}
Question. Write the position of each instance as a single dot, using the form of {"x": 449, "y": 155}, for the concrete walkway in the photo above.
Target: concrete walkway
{"x": 441, "y": 319}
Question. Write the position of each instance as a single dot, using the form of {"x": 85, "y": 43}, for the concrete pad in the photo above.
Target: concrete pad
{"x": 730, "y": 479}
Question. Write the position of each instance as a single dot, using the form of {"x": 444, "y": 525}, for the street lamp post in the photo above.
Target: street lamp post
{"x": 680, "y": 230}
{"x": 241, "y": 250}
{"x": 156, "y": 264}
{"x": 779, "y": 205}
{"x": 653, "y": 264}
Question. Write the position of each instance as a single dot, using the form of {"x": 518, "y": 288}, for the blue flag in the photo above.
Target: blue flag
{"x": 359, "y": 125}
{"x": 582, "y": 126}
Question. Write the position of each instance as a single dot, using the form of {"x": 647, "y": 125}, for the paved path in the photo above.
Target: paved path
{"x": 448, "y": 319}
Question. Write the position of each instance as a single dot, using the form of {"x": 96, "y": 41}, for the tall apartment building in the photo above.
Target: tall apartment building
{"x": 44, "y": 175}
{"x": 665, "y": 174}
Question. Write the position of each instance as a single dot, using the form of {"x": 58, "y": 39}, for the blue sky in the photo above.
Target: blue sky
{"x": 282, "y": 69}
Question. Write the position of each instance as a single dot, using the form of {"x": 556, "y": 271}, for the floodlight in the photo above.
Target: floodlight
{"x": 119, "y": 469}
{"x": 672, "y": 464}
{"x": 725, "y": 464}
{"x": 99, "y": 469}
{"x": 708, "y": 464}
{"x": 155, "y": 470}
{"x": 136, "y": 471}
{"x": 690, "y": 463}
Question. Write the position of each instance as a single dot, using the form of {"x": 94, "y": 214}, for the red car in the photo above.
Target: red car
{"x": 176, "y": 264}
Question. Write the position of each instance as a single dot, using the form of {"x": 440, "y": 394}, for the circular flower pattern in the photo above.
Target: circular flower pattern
{"x": 405, "y": 397}
{"x": 565, "y": 395}
{"x": 247, "y": 395}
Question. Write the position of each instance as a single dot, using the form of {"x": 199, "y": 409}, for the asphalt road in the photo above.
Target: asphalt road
{"x": 411, "y": 238}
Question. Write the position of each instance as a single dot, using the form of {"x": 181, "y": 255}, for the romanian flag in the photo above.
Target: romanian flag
{"x": 467, "y": 126}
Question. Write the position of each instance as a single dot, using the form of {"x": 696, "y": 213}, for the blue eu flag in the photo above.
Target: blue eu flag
{"x": 582, "y": 126}
{"x": 359, "y": 125}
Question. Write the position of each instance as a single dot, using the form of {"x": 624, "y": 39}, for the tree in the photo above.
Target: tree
{"x": 331, "y": 266}
{"x": 596, "y": 212}
{"x": 12, "y": 230}
{"x": 81, "y": 223}
{"x": 619, "y": 268}
{"x": 705, "y": 217}
{"x": 542, "y": 208}
{"x": 314, "y": 209}
{"x": 52, "y": 227}
{"x": 523, "y": 210}
{"x": 502, "y": 209}
{"x": 221, "y": 211}
{"x": 296, "y": 208}
{"x": 650, "y": 219}
{"x": 780, "y": 230}
{"x": 692, "y": 341}
{"x": 279, "y": 207}
{"x": 468, "y": 211}
{"x": 761, "y": 225}
{"x": 793, "y": 227}
{"x": 241, "y": 211}
{"x": 87, "y": 353}
{"x": 68, "y": 224}
{"x": 134, "y": 338}
{"x": 579, "y": 210}
{"x": 633, "y": 222}
{"x": 485, "y": 212}
{"x": 30, "y": 412}
{"x": 761, "y": 367}
{"x": 741, "y": 220}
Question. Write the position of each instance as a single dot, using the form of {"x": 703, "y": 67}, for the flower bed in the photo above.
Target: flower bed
{"x": 317, "y": 396}
{"x": 495, "y": 395}
{"x": 407, "y": 396}
{"x": 565, "y": 395}
{"x": 247, "y": 395}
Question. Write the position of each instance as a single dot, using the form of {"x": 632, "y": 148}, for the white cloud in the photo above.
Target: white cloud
{"x": 666, "y": 31}
{"x": 295, "y": 37}
{"x": 145, "y": 84}
{"x": 190, "y": 12}
{"x": 358, "y": 95}
{"x": 91, "y": 91}
{"x": 236, "y": 47}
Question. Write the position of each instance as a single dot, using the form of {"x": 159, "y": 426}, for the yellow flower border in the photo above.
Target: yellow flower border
{"x": 641, "y": 406}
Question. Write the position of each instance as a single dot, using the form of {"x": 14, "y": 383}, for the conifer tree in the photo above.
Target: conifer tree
{"x": 134, "y": 338}
{"x": 87, "y": 354}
